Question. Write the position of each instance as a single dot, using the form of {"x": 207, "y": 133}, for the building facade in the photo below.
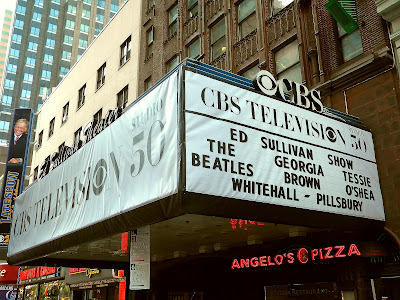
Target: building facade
{"x": 47, "y": 40}
{"x": 5, "y": 39}
{"x": 211, "y": 247}
{"x": 104, "y": 79}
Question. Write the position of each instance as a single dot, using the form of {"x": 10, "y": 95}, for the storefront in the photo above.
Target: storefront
{"x": 8, "y": 282}
{"x": 91, "y": 284}
{"x": 42, "y": 283}
{"x": 247, "y": 193}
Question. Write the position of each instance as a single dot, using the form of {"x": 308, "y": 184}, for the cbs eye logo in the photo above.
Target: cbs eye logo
{"x": 4, "y": 238}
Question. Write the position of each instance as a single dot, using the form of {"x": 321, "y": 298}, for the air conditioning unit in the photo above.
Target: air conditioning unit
{"x": 342, "y": 15}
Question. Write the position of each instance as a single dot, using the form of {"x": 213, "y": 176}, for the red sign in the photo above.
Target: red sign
{"x": 36, "y": 272}
{"x": 76, "y": 270}
{"x": 243, "y": 224}
{"x": 302, "y": 255}
{"x": 8, "y": 273}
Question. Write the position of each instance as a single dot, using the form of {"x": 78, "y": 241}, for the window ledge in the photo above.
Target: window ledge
{"x": 148, "y": 57}
{"x": 100, "y": 87}
{"x": 169, "y": 38}
{"x": 79, "y": 107}
{"x": 124, "y": 63}
{"x": 363, "y": 66}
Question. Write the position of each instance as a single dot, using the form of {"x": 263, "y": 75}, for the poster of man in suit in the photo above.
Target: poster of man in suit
{"x": 14, "y": 174}
{"x": 18, "y": 141}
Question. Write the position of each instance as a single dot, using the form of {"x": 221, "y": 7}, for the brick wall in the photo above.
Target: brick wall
{"x": 327, "y": 28}
{"x": 377, "y": 105}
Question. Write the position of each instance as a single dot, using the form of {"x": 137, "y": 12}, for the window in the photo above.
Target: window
{"x": 4, "y": 125}
{"x": 99, "y": 18}
{"x": 36, "y": 16}
{"x": 25, "y": 93}
{"x": 84, "y": 28}
{"x": 35, "y": 30}
{"x": 101, "y": 76}
{"x": 193, "y": 50}
{"x": 13, "y": 68}
{"x": 16, "y": 38}
{"x": 125, "y": 51}
{"x": 247, "y": 21}
{"x": 28, "y": 77}
{"x": 68, "y": 39}
{"x": 52, "y": 27}
{"x": 122, "y": 98}
{"x": 50, "y": 43}
{"x": 149, "y": 39}
{"x": 21, "y": 9}
{"x": 32, "y": 46}
{"x": 35, "y": 173}
{"x": 172, "y": 63}
{"x": 251, "y": 73}
{"x": 150, "y": 4}
{"x": 63, "y": 71}
{"x": 72, "y": 9}
{"x": 172, "y": 20}
{"x": 19, "y": 23}
{"x": 46, "y": 74}
{"x": 192, "y": 8}
{"x": 287, "y": 62}
{"x": 218, "y": 41}
{"x": 83, "y": 43}
{"x": 101, "y": 3}
{"x": 97, "y": 116}
{"x": 9, "y": 83}
{"x": 85, "y": 13}
{"x": 6, "y": 99}
{"x": 51, "y": 127}
{"x": 81, "y": 96}
{"x": 14, "y": 52}
{"x": 70, "y": 24}
{"x": 350, "y": 43}
{"x": 66, "y": 55}
{"x": 97, "y": 28}
{"x": 114, "y": 5}
{"x": 148, "y": 83}
{"x": 54, "y": 12}
{"x": 65, "y": 113}
{"x": 278, "y": 5}
{"x": 48, "y": 58}
{"x": 77, "y": 135}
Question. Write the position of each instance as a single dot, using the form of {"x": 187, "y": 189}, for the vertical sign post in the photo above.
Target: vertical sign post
{"x": 14, "y": 174}
{"x": 140, "y": 259}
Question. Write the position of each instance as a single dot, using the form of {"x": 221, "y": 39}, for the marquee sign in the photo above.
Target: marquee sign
{"x": 229, "y": 141}
{"x": 115, "y": 165}
{"x": 245, "y": 145}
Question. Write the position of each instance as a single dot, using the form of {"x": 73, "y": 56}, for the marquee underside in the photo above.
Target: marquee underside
{"x": 205, "y": 224}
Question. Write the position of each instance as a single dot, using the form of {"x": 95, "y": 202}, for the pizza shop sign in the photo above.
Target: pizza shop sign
{"x": 303, "y": 256}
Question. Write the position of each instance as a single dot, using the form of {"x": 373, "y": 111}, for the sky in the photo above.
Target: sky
{"x": 6, "y": 5}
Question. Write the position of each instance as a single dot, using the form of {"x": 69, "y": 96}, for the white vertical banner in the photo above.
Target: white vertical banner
{"x": 140, "y": 259}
